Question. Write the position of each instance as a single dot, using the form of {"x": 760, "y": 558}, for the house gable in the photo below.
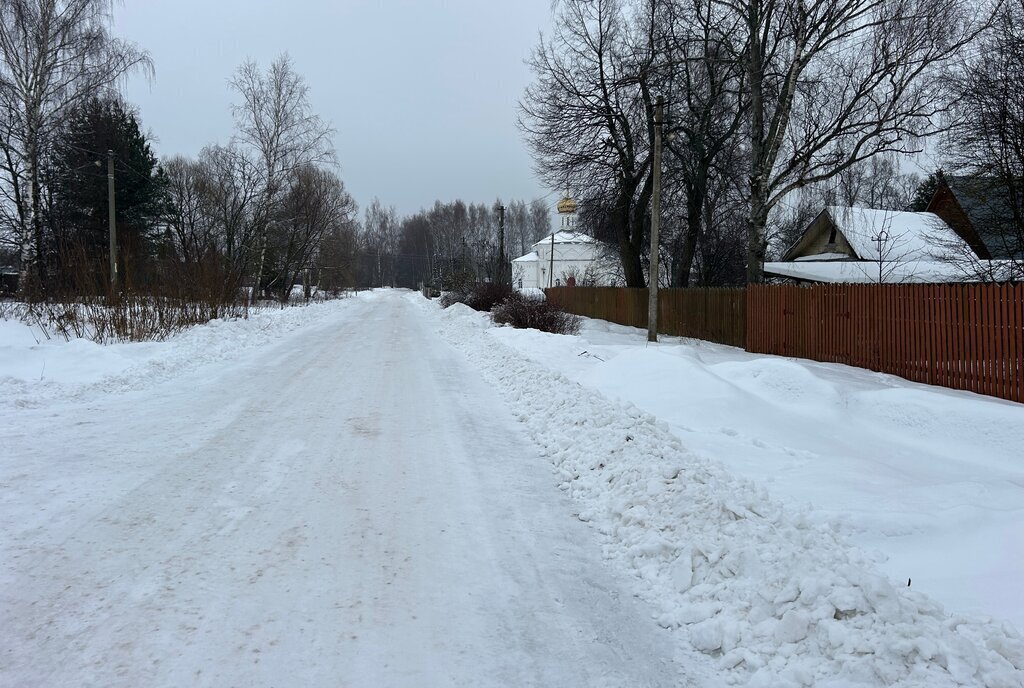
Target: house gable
{"x": 852, "y": 244}
{"x": 944, "y": 203}
{"x": 821, "y": 237}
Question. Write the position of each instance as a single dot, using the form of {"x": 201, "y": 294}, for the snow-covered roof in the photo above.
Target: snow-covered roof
{"x": 824, "y": 256}
{"x": 567, "y": 238}
{"x": 911, "y": 236}
{"x": 865, "y": 271}
{"x": 528, "y": 258}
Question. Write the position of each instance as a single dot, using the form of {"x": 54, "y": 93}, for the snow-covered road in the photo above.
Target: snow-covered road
{"x": 350, "y": 506}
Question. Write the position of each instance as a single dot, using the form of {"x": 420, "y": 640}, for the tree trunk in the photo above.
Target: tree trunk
{"x": 29, "y": 278}
{"x": 756, "y": 224}
{"x": 632, "y": 268}
{"x": 263, "y": 233}
{"x": 694, "y": 230}
{"x": 631, "y": 244}
{"x": 758, "y": 174}
{"x": 629, "y": 250}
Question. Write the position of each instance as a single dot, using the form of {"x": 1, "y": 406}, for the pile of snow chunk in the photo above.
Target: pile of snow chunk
{"x": 777, "y": 599}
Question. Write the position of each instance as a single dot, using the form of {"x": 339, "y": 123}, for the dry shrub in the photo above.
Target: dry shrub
{"x": 482, "y": 296}
{"x": 131, "y": 318}
{"x": 178, "y": 296}
{"x": 529, "y": 312}
{"x": 487, "y": 295}
{"x": 450, "y": 298}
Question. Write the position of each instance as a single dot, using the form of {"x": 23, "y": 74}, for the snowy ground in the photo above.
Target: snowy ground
{"x": 772, "y": 585}
{"x": 931, "y": 479}
{"x": 337, "y": 495}
{"x": 260, "y": 504}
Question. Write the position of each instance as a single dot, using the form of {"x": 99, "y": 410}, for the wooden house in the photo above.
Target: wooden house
{"x": 980, "y": 210}
{"x": 844, "y": 244}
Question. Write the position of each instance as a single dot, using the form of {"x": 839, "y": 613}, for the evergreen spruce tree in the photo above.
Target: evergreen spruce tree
{"x": 925, "y": 191}
{"x": 78, "y": 203}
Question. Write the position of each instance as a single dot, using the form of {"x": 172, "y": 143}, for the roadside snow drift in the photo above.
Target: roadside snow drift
{"x": 778, "y": 596}
{"x": 36, "y": 366}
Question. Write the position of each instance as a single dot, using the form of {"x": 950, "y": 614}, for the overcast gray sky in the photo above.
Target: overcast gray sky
{"x": 423, "y": 93}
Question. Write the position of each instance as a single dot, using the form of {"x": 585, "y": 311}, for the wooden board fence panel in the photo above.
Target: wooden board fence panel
{"x": 963, "y": 336}
{"x": 716, "y": 315}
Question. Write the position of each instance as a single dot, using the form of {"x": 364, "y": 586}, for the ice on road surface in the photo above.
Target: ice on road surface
{"x": 350, "y": 505}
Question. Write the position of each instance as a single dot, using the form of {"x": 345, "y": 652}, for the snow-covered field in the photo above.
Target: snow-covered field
{"x": 365, "y": 493}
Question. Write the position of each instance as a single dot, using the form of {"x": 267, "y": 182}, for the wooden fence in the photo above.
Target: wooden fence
{"x": 716, "y": 315}
{"x": 963, "y": 336}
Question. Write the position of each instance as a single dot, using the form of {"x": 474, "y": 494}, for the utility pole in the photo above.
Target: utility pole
{"x": 551, "y": 274}
{"x": 652, "y": 287}
{"x": 501, "y": 245}
{"x": 113, "y": 225}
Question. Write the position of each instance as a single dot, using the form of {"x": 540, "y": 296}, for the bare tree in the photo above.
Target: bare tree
{"x": 201, "y": 227}
{"x": 892, "y": 261}
{"x": 539, "y": 221}
{"x": 835, "y": 82}
{"x": 275, "y": 120}
{"x": 337, "y": 260}
{"x": 12, "y": 199}
{"x": 315, "y": 205}
{"x": 706, "y": 111}
{"x": 380, "y": 241}
{"x": 876, "y": 183}
{"x": 517, "y": 229}
{"x": 588, "y": 116}
{"x": 967, "y": 266}
{"x": 230, "y": 188}
{"x": 987, "y": 142}
{"x": 191, "y": 231}
{"x": 53, "y": 55}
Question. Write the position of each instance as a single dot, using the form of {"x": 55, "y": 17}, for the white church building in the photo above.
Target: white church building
{"x": 565, "y": 258}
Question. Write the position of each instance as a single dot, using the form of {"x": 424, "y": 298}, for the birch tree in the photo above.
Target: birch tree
{"x": 53, "y": 55}
{"x": 539, "y": 221}
{"x": 274, "y": 119}
{"x": 380, "y": 239}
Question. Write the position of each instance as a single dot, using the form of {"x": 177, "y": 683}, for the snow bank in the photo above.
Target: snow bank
{"x": 778, "y": 597}
{"x": 34, "y": 369}
{"x": 928, "y": 479}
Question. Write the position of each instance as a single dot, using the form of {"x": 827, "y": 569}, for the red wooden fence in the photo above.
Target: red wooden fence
{"x": 963, "y": 336}
{"x": 716, "y": 315}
